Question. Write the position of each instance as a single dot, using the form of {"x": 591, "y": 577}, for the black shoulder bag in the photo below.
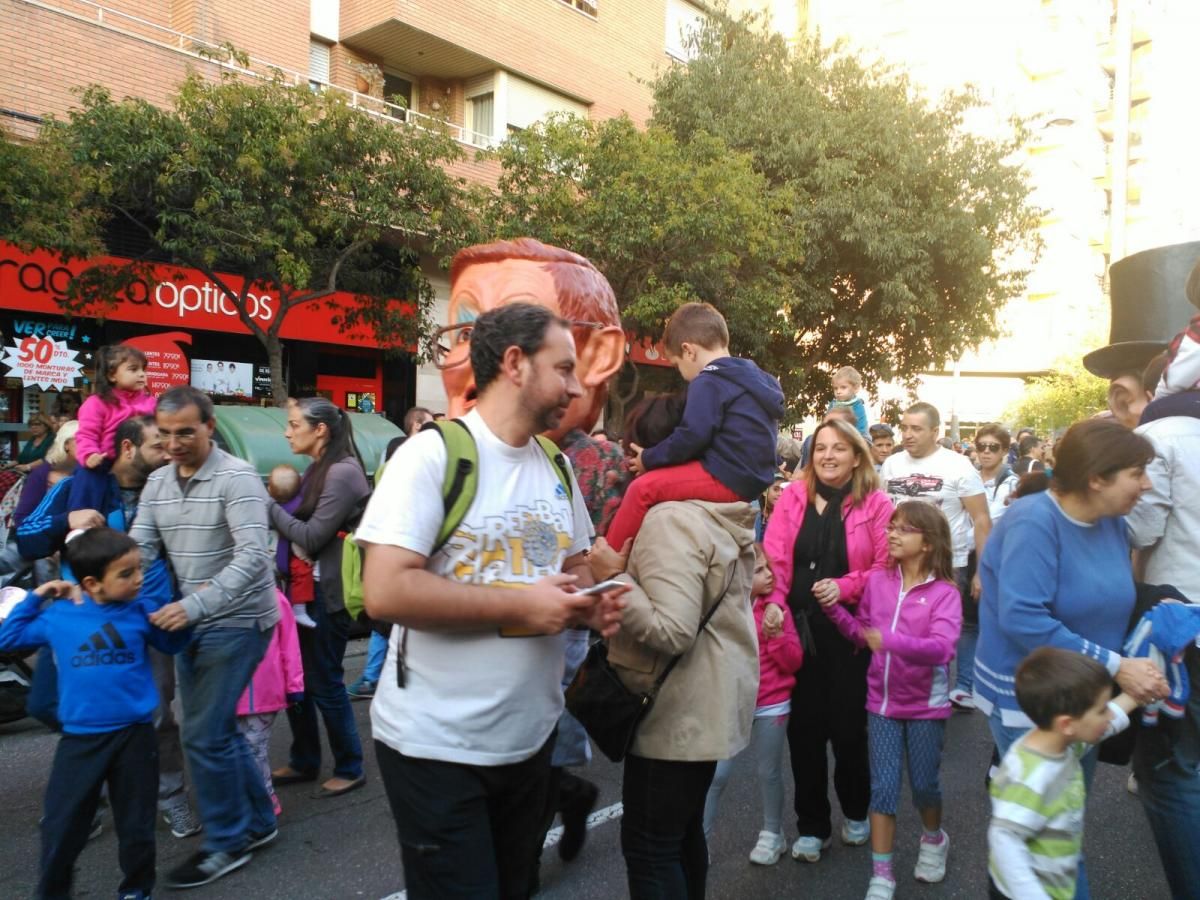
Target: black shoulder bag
{"x": 608, "y": 710}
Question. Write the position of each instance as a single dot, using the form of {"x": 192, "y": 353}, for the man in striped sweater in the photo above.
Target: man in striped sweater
{"x": 206, "y": 513}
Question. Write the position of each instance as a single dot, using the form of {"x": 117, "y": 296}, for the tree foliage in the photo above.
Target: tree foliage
{"x": 295, "y": 190}
{"x": 1067, "y": 395}
{"x": 831, "y": 212}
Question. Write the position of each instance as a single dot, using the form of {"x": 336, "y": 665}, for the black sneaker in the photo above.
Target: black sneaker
{"x": 262, "y": 838}
{"x": 574, "y": 814}
{"x": 205, "y": 868}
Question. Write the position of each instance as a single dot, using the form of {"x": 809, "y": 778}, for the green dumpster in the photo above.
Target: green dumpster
{"x": 255, "y": 434}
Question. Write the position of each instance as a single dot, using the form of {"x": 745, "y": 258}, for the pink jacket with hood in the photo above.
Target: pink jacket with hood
{"x": 778, "y": 657}
{"x": 866, "y": 539}
{"x": 278, "y": 681}
{"x": 99, "y": 420}
{"x": 909, "y": 675}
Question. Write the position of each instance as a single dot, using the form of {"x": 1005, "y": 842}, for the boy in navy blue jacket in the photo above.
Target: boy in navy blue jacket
{"x": 107, "y": 699}
{"x": 724, "y": 449}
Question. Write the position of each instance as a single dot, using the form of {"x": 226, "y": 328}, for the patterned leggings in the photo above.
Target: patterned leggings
{"x": 890, "y": 741}
{"x": 256, "y": 729}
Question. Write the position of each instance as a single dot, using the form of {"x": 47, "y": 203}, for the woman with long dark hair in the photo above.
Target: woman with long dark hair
{"x": 333, "y": 494}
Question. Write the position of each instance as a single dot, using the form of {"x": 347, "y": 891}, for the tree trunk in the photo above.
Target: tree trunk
{"x": 279, "y": 391}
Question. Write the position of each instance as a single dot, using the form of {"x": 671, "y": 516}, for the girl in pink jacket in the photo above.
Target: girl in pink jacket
{"x": 120, "y": 395}
{"x": 910, "y": 616}
{"x": 779, "y": 656}
{"x": 278, "y": 683}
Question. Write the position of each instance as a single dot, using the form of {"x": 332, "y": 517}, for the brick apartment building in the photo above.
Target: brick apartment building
{"x": 489, "y": 67}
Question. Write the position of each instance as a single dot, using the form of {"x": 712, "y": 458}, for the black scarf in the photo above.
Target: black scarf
{"x": 819, "y": 552}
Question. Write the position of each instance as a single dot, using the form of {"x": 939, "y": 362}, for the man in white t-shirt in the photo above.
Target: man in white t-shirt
{"x": 470, "y": 693}
{"x": 931, "y": 473}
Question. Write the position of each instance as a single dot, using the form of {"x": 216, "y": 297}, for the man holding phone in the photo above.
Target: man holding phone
{"x": 465, "y": 711}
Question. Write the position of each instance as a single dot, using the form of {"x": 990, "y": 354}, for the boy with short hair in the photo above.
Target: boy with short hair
{"x": 107, "y": 699}
{"x": 847, "y": 382}
{"x": 1036, "y": 833}
{"x": 724, "y": 448}
{"x": 283, "y": 486}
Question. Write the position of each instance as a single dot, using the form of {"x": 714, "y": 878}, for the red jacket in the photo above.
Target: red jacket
{"x": 866, "y": 540}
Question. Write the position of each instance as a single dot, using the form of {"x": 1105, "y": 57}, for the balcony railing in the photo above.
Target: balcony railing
{"x": 219, "y": 56}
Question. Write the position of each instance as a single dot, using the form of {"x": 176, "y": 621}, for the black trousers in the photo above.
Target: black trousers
{"x": 662, "y": 828}
{"x": 829, "y": 707}
{"x": 127, "y": 759}
{"x": 466, "y": 831}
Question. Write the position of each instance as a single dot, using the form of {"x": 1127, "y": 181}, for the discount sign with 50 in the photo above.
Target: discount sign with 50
{"x": 42, "y": 362}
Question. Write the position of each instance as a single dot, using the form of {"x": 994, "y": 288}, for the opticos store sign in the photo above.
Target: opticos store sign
{"x": 171, "y": 296}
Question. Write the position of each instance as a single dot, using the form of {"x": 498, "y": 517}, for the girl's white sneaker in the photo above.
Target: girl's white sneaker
{"x": 931, "y": 861}
{"x": 769, "y": 848}
{"x": 880, "y": 888}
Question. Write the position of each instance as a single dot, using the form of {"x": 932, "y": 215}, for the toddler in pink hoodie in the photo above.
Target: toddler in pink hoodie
{"x": 779, "y": 656}
{"x": 120, "y": 394}
{"x": 278, "y": 683}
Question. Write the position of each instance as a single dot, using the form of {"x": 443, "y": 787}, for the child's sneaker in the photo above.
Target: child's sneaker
{"x": 808, "y": 849}
{"x": 278, "y": 810}
{"x": 880, "y": 889}
{"x": 855, "y": 833}
{"x": 931, "y": 861}
{"x": 303, "y": 619}
{"x": 179, "y": 815}
{"x": 769, "y": 848}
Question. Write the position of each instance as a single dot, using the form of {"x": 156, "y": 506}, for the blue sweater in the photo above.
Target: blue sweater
{"x": 730, "y": 424}
{"x": 1048, "y": 581}
{"x": 859, "y": 408}
{"x": 104, "y": 677}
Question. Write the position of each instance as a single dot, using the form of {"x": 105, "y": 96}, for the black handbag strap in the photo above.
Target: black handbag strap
{"x": 658, "y": 682}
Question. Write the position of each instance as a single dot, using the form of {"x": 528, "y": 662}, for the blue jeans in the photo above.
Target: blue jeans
{"x": 377, "y": 648}
{"x": 213, "y": 672}
{"x": 1005, "y": 736}
{"x": 1170, "y": 795}
{"x": 322, "y": 650}
{"x": 964, "y": 678}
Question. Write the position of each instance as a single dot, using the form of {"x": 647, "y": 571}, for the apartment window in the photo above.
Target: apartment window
{"x": 483, "y": 118}
{"x": 318, "y": 65}
{"x": 398, "y": 94}
{"x": 588, "y": 7}
{"x": 682, "y": 19}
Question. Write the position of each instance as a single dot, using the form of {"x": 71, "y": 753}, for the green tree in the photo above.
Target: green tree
{"x": 666, "y": 222}
{"x": 905, "y": 231}
{"x": 1065, "y": 396}
{"x": 294, "y": 190}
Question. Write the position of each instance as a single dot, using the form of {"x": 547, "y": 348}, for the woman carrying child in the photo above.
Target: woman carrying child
{"x": 334, "y": 494}
{"x": 910, "y": 617}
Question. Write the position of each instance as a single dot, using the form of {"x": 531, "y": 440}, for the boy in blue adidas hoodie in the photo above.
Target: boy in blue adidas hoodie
{"x": 724, "y": 448}
{"x": 107, "y": 699}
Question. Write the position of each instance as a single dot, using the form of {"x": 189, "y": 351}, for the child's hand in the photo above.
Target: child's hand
{"x": 635, "y": 461}
{"x": 172, "y": 617}
{"x": 873, "y": 637}
{"x": 827, "y": 592}
{"x": 60, "y": 589}
{"x": 93, "y": 460}
{"x": 772, "y": 626}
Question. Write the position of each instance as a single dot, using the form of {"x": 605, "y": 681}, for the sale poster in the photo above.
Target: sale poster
{"x": 166, "y": 364}
{"x": 43, "y": 362}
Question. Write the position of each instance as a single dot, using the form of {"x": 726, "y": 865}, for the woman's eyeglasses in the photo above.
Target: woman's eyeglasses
{"x": 448, "y": 339}
{"x": 902, "y": 528}
{"x": 984, "y": 447}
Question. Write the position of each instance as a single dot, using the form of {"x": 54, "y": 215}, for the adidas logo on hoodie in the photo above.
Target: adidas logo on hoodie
{"x": 97, "y": 651}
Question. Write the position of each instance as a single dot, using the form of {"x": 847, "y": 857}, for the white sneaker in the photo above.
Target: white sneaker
{"x": 931, "y": 861}
{"x": 855, "y": 832}
{"x": 808, "y": 849}
{"x": 962, "y": 700}
{"x": 880, "y": 888}
{"x": 1131, "y": 784}
{"x": 769, "y": 848}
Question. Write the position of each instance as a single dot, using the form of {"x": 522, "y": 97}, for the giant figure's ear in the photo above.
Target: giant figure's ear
{"x": 602, "y": 356}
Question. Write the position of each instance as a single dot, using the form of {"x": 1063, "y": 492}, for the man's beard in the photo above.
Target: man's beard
{"x": 549, "y": 419}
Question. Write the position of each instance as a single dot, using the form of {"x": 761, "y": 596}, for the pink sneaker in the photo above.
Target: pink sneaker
{"x": 275, "y": 804}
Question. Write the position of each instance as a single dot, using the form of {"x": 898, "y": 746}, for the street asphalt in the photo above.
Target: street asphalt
{"x": 346, "y": 847}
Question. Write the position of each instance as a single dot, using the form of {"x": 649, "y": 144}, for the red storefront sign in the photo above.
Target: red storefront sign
{"x": 166, "y": 365}
{"x": 647, "y": 352}
{"x": 172, "y": 297}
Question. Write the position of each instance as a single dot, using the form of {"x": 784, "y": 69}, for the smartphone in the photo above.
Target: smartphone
{"x": 602, "y": 587}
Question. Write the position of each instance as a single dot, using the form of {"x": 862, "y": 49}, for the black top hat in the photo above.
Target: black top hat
{"x": 1149, "y": 307}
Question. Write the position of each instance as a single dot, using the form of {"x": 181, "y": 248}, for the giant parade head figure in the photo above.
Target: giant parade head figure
{"x": 486, "y": 276}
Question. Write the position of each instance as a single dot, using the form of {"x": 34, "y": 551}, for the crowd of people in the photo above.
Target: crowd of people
{"x": 842, "y": 595}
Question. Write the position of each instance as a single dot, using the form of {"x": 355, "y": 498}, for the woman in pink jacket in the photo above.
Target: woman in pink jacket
{"x": 826, "y": 534}
{"x": 278, "y": 683}
{"x": 910, "y": 616}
